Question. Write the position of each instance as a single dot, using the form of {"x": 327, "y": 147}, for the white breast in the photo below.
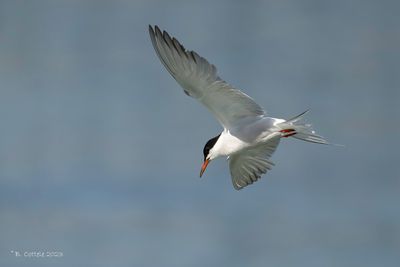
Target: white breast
{"x": 226, "y": 145}
{"x": 247, "y": 133}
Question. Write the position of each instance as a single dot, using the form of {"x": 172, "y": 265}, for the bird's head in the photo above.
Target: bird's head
{"x": 207, "y": 151}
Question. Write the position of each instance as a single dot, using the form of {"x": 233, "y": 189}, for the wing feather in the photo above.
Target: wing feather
{"x": 199, "y": 80}
{"x": 248, "y": 166}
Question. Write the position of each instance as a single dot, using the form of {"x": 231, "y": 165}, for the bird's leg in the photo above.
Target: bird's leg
{"x": 288, "y": 132}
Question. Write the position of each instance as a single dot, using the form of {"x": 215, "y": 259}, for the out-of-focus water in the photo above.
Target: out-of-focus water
{"x": 100, "y": 150}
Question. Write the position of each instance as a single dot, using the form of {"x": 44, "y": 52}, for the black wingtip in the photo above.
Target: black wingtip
{"x": 157, "y": 29}
{"x": 154, "y": 28}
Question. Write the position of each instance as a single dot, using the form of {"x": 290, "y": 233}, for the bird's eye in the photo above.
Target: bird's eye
{"x": 209, "y": 145}
{"x": 205, "y": 152}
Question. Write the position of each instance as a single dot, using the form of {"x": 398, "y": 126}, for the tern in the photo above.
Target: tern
{"x": 249, "y": 136}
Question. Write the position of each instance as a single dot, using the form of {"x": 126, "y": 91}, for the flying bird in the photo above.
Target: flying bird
{"x": 249, "y": 136}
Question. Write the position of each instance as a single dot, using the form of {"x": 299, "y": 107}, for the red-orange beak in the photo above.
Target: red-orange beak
{"x": 204, "y": 166}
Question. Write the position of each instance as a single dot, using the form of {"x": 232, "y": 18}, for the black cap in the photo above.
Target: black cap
{"x": 210, "y": 144}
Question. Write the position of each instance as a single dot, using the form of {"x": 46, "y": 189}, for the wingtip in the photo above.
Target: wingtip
{"x": 237, "y": 187}
{"x": 157, "y": 29}
{"x": 154, "y": 28}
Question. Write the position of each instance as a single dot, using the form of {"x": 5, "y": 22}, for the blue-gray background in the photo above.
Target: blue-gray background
{"x": 100, "y": 150}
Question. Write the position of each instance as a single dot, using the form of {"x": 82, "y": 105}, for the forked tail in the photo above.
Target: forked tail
{"x": 300, "y": 130}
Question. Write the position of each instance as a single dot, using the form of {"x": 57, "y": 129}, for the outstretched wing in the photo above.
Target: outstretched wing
{"x": 199, "y": 79}
{"x": 248, "y": 165}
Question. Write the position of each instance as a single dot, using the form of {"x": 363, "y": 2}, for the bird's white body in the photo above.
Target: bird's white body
{"x": 249, "y": 137}
{"x": 245, "y": 135}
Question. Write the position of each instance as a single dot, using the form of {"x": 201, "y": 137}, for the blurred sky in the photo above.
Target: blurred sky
{"x": 100, "y": 150}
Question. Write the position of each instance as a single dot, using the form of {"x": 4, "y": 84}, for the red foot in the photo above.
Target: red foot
{"x": 288, "y": 132}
